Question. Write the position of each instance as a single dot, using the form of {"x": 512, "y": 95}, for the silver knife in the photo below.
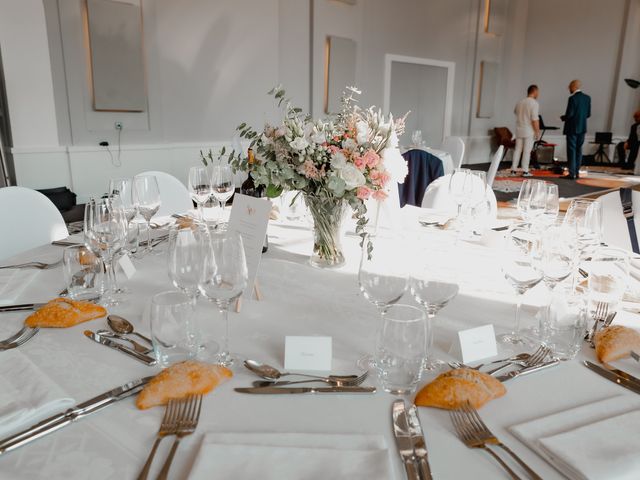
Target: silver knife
{"x": 527, "y": 370}
{"x": 146, "y": 359}
{"x": 63, "y": 419}
{"x": 419, "y": 445}
{"x": 276, "y": 390}
{"x": 621, "y": 373}
{"x": 615, "y": 378}
{"x": 36, "y": 306}
{"x": 403, "y": 440}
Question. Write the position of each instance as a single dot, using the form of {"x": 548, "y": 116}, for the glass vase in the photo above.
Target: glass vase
{"x": 328, "y": 214}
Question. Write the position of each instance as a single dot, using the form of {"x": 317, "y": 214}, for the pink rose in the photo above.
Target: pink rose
{"x": 363, "y": 193}
{"x": 380, "y": 195}
{"x": 359, "y": 162}
{"x": 371, "y": 158}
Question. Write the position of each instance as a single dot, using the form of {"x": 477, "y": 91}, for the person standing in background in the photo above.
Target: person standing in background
{"x": 627, "y": 161}
{"x": 527, "y": 129}
{"x": 575, "y": 126}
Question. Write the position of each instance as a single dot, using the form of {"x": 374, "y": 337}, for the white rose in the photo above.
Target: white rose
{"x": 362, "y": 130}
{"x": 338, "y": 161}
{"x": 352, "y": 177}
{"x": 308, "y": 130}
{"x": 395, "y": 164}
{"x": 349, "y": 144}
{"x": 299, "y": 144}
{"x": 318, "y": 138}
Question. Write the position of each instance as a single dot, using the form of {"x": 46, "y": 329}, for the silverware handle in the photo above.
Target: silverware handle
{"x": 21, "y": 307}
{"x": 147, "y": 466}
{"x": 501, "y": 367}
{"x": 425, "y": 469}
{"x": 35, "y": 434}
{"x": 163, "y": 475}
{"x": 146, "y": 339}
{"x": 412, "y": 471}
{"x": 528, "y": 469}
{"x": 146, "y": 359}
{"x": 513, "y": 474}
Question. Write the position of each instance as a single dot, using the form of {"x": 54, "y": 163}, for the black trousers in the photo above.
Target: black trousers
{"x": 574, "y": 152}
{"x": 625, "y": 157}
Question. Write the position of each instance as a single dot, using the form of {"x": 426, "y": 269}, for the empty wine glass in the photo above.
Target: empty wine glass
{"x": 147, "y": 196}
{"x": 537, "y": 200}
{"x": 123, "y": 187}
{"x": 105, "y": 230}
{"x": 200, "y": 187}
{"x": 223, "y": 184}
{"x": 184, "y": 259}
{"x": 460, "y": 186}
{"x": 521, "y": 268}
{"x": 223, "y": 277}
{"x": 552, "y": 206}
{"x": 382, "y": 276}
{"x": 524, "y": 197}
{"x": 586, "y": 215}
{"x": 416, "y": 138}
{"x": 433, "y": 285}
{"x": 608, "y": 279}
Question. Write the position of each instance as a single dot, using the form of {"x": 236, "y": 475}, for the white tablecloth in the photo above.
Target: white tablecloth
{"x": 298, "y": 300}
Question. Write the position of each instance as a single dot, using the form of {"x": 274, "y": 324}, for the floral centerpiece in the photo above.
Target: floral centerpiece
{"x": 335, "y": 163}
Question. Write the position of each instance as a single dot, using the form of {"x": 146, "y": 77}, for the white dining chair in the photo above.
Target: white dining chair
{"x": 455, "y": 147}
{"x": 615, "y": 231}
{"x": 29, "y": 219}
{"x": 174, "y": 196}
{"x": 495, "y": 164}
{"x": 438, "y": 198}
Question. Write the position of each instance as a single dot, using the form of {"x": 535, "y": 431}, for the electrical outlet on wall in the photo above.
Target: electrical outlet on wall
{"x": 118, "y": 125}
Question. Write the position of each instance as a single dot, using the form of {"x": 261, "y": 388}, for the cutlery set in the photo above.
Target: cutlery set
{"x": 410, "y": 441}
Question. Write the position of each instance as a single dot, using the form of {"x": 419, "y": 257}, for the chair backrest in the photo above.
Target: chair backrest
{"x": 455, "y": 147}
{"x": 29, "y": 219}
{"x": 174, "y": 195}
{"x": 495, "y": 164}
{"x": 504, "y": 135}
{"x": 615, "y": 231}
{"x": 437, "y": 196}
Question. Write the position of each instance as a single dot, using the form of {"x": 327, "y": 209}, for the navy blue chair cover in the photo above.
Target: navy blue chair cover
{"x": 424, "y": 168}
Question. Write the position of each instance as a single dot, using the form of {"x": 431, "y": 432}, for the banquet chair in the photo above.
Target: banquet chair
{"x": 495, "y": 164}
{"x": 505, "y": 138}
{"x": 615, "y": 231}
{"x": 437, "y": 196}
{"x": 174, "y": 196}
{"x": 29, "y": 219}
{"x": 423, "y": 168}
{"x": 455, "y": 147}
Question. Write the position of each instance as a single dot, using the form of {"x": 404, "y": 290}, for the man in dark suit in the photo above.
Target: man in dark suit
{"x": 627, "y": 161}
{"x": 575, "y": 126}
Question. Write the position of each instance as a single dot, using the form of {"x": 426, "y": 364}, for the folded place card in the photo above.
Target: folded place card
{"x": 307, "y": 353}
{"x": 127, "y": 266}
{"x": 477, "y": 343}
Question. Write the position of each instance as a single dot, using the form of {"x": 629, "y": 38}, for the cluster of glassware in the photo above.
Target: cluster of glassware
{"x": 468, "y": 188}
{"x": 206, "y": 184}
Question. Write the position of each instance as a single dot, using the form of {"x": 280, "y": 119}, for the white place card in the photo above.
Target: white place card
{"x": 307, "y": 353}
{"x": 127, "y": 266}
{"x": 477, "y": 343}
{"x": 250, "y": 218}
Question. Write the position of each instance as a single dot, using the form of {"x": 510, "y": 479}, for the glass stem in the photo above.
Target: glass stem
{"x": 108, "y": 268}
{"x": 114, "y": 273}
{"x": 148, "y": 235}
{"x": 225, "y": 338}
{"x": 431, "y": 322}
{"x": 516, "y": 333}
{"x": 459, "y": 209}
{"x": 201, "y": 211}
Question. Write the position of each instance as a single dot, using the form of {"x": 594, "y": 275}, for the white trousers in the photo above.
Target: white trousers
{"x": 523, "y": 147}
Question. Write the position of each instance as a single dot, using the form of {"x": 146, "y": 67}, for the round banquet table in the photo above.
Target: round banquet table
{"x": 298, "y": 300}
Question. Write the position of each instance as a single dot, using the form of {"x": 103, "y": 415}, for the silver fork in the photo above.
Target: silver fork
{"x": 331, "y": 380}
{"x": 38, "y": 265}
{"x": 607, "y": 322}
{"x": 466, "y": 434}
{"x": 187, "y": 423}
{"x": 168, "y": 426}
{"x": 26, "y": 334}
{"x": 471, "y": 417}
{"x": 600, "y": 315}
{"x": 535, "y": 358}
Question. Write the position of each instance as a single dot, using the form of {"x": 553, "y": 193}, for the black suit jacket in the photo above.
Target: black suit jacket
{"x": 634, "y": 141}
{"x": 575, "y": 117}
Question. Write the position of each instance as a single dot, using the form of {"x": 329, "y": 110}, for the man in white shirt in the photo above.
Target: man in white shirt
{"x": 527, "y": 129}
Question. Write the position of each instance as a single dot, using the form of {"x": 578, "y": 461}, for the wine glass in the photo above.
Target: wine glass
{"x": 382, "y": 276}
{"x": 586, "y": 215}
{"x": 105, "y": 230}
{"x": 537, "y": 200}
{"x": 200, "y": 187}
{"x": 223, "y": 277}
{"x": 123, "y": 187}
{"x": 460, "y": 186}
{"x": 552, "y": 205}
{"x": 521, "y": 268}
{"x": 223, "y": 184}
{"x": 433, "y": 285}
{"x": 147, "y": 196}
{"x": 416, "y": 138}
{"x": 608, "y": 279}
{"x": 184, "y": 259}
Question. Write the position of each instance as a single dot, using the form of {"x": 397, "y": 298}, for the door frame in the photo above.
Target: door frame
{"x": 451, "y": 69}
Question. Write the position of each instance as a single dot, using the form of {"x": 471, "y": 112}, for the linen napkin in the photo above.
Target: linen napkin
{"x": 26, "y": 395}
{"x": 276, "y": 456}
{"x": 12, "y": 282}
{"x": 599, "y": 440}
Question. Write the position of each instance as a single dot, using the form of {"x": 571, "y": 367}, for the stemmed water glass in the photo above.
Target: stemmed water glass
{"x": 537, "y": 200}
{"x": 433, "y": 285}
{"x": 223, "y": 184}
{"x": 608, "y": 279}
{"x": 521, "y": 268}
{"x": 200, "y": 187}
{"x": 105, "y": 229}
{"x": 552, "y": 205}
{"x": 460, "y": 187}
{"x": 586, "y": 216}
{"x": 147, "y": 196}
{"x": 223, "y": 277}
{"x": 382, "y": 276}
{"x": 184, "y": 259}
{"x": 123, "y": 187}
{"x": 524, "y": 197}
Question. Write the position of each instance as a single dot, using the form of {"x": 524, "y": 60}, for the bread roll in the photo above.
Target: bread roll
{"x": 615, "y": 342}
{"x": 181, "y": 380}
{"x": 64, "y": 312}
{"x": 454, "y": 388}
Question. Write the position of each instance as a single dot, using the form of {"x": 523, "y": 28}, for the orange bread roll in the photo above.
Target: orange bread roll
{"x": 181, "y": 380}
{"x": 453, "y": 388}
{"x": 615, "y": 342}
{"x": 64, "y": 312}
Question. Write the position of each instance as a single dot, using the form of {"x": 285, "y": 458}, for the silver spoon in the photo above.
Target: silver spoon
{"x": 271, "y": 373}
{"x": 136, "y": 346}
{"x": 124, "y": 327}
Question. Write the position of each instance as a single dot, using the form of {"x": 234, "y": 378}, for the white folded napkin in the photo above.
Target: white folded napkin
{"x": 12, "y": 282}
{"x": 27, "y": 395}
{"x": 589, "y": 442}
{"x": 291, "y": 456}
